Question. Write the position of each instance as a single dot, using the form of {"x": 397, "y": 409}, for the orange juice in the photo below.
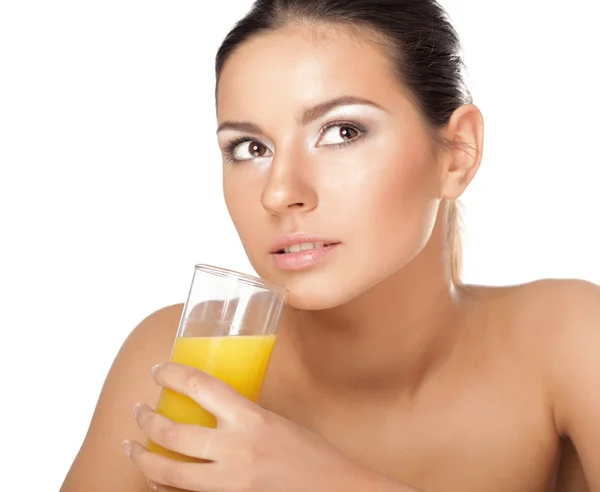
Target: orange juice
{"x": 240, "y": 361}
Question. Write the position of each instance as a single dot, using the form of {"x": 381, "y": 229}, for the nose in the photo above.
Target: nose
{"x": 290, "y": 187}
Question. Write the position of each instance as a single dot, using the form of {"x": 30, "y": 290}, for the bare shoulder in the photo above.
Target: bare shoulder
{"x": 572, "y": 362}
{"x": 571, "y": 309}
{"x": 100, "y": 464}
{"x": 557, "y": 324}
{"x": 567, "y": 292}
{"x": 549, "y": 317}
{"x": 572, "y": 306}
{"x": 557, "y": 307}
{"x": 551, "y": 329}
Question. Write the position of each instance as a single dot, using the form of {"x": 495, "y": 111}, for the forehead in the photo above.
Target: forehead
{"x": 294, "y": 67}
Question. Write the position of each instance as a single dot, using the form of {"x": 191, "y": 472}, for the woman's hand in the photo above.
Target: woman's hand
{"x": 251, "y": 450}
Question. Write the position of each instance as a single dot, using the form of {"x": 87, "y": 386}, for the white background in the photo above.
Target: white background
{"x": 110, "y": 184}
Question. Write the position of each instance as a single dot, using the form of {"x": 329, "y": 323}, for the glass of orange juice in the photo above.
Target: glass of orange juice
{"x": 228, "y": 329}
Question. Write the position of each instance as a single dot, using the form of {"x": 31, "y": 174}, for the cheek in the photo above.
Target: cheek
{"x": 407, "y": 195}
{"x": 394, "y": 207}
{"x": 240, "y": 205}
{"x": 242, "y": 192}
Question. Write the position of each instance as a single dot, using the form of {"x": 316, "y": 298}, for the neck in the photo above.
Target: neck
{"x": 392, "y": 336}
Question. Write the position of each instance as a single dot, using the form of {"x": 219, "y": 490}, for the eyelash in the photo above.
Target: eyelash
{"x": 231, "y": 146}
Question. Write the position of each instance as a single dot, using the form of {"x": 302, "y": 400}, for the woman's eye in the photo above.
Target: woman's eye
{"x": 248, "y": 150}
{"x": 339, "y": 134}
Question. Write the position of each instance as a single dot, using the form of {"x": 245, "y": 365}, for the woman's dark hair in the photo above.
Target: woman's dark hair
{"x": 416, "y": 35}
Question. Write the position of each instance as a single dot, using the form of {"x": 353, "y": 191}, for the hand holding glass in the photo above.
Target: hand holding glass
{"x": 228, "y": 329}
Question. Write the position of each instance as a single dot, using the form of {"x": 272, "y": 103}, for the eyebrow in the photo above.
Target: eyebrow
{"x": 308, "y": 116}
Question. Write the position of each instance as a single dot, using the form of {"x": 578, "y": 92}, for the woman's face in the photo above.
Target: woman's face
{"x": 322, "y": 149}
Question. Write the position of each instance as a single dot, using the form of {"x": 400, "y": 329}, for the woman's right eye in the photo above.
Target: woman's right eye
{"x": 247, "y": 150}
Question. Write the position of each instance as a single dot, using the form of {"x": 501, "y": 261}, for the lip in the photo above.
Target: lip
{"x": 301, "y": 259}
{"x": 290, "y": 240}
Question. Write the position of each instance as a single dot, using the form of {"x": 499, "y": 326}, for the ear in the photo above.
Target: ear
{"x": 464, "y": 133}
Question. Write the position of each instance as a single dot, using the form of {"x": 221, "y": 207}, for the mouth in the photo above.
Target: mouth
{"x": 301, "y": 251}
{"x": 304, "y": 247}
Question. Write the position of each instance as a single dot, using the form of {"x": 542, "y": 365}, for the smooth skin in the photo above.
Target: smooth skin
{"x": 385, "y": 375}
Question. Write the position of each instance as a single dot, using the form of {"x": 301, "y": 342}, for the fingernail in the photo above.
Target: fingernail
{"x": 126, "y": 445}
{"x": 136, "y": 410}
{"x": 153, "y": 370}
{"x": 152, "y": 485}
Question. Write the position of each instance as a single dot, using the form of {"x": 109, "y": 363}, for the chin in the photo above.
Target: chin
{"x": 312, "y": 301}
{"x": 307, "y": 290}
{"x": 318, "y": 290}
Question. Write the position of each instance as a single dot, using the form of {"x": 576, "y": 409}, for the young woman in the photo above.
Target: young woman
{"x": 346, "y": 127}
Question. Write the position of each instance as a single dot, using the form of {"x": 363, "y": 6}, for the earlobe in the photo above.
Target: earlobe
{"x": 464, "y": 137}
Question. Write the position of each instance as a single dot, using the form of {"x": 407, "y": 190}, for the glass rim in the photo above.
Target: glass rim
{"x": 245, "y": 278}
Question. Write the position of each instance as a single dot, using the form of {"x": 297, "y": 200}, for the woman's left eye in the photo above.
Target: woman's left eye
{"x": 339, "y": 134}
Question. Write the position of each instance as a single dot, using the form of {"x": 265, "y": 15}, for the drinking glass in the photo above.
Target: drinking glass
{"x": 228, "y": 329}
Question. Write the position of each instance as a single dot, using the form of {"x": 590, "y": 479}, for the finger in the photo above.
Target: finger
{"x": 190, "y": 440}
{"x": 210, "y": 393}
{"x": 198, "y": 477}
